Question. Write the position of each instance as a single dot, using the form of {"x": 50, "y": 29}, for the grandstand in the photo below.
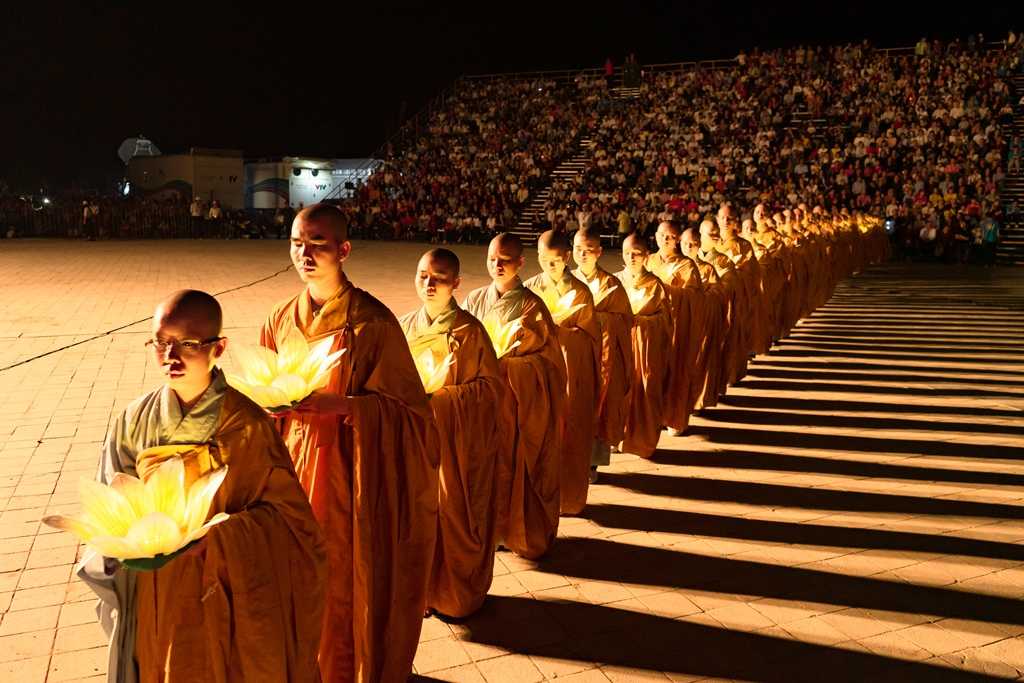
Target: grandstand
{"x": 920, "y": 137}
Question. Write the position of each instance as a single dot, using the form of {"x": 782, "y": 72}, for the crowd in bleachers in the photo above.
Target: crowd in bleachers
{"x": 915, "y": 138}
{"x": 914, "y": 135}
{"x": 475, "y": 165}
{"x": 910, "y": 135}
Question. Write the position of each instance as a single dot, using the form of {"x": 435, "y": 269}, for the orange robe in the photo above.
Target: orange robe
{"x": 475, "y": 431}
{"x": 579, "y": 335}
{"x": 371, "y": 477}
{"x": 616, "y": 319}
{"x": 249, "y": 605}
{"x": 734, "y": 295}
{"x": 527, "y": 496}
{"x": 704, "y": 388}
{"x": 651, "y": 345}
{"x": 682, "y": 278}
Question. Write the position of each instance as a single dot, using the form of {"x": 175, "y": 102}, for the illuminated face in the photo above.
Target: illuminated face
{"x": 503, "y": 264}
{"x": 667, "y": 239}
{"x": 316, "y": 253}
{"x": 586, "y": 254}
{"x": 724, "y": 213}
{"x": 709, "y": 236}
{"x": 634, "y": 256}
{"x": 552, "y": 261}
{"x": 185, "y": 350}
{"x": 689, "y": 243}
{"x": 435, "y": 282}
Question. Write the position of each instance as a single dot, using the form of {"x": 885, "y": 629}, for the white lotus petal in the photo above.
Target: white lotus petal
{"x": 293, "y": 386}
{"x": 257, "y": 364}
{"x": 200, "y": 497}
{"x": 115, "y": 546}
{"x": 155, "y": 534}
{"x": 166, "y": 490}
{"x": 134, "y": 491}
{"x": 79, "y": 528}
{"x": 105, "y": 508}
{"x": 198, "y": 533}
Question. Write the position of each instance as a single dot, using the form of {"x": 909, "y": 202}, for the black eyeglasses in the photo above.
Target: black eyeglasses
{"x": 188, "y": 346}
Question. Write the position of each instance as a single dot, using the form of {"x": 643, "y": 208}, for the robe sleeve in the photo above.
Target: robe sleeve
{"x": 264, "y": 572}
{"x": 394, "y": 503}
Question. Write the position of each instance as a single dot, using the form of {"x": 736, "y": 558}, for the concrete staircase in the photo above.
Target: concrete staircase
{"x": 624, "y": 93}
{"x": 533, "y": 212}
{"x": 1010, "y": 250}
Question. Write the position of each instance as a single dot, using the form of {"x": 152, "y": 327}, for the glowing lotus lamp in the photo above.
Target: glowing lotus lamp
{"x": 277, "y": 381}
{"x": 503, "y": 337}
{"x": 433, "y": 372}
{"x": 638, "y": 298}
{"x": 134, "y": 521}
{"x": 561, "y": 307}
{"x": 600, "y": 294}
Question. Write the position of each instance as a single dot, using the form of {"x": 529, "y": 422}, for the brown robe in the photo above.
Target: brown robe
{"x": 616, "y": 319}
{"x": 249, "y": 606}
{"x": 371, "y": 477}
{"x": 528, "y": 497}
{"x": 475, "y": 429}
{"x": 652, "y": 348}
{"x": 681, "y": 276}
{"x": 579, "y": 335}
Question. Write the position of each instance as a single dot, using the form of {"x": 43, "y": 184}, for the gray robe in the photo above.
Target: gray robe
{"x": 151, "y": 420}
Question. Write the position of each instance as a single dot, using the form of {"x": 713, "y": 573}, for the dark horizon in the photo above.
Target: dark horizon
{"x": 78, "y": 81}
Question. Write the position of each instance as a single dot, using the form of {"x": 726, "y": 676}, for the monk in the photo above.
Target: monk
{"x": 682, "y": 278}
{"x": 579, "y": 336}
{"x": 246, "y": 602}
{"x": 734, "y": 291}
{"x": 611, "y": 306}
{"x": 708, "y": 363}
{"x": 528, "y": 496}
{"x": 475, "y": 432}
{"x": 365, "y": 451}
{"x": 651, "y": 345}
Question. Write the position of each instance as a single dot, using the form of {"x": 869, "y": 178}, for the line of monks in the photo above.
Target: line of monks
{"x": 371, "y": 503}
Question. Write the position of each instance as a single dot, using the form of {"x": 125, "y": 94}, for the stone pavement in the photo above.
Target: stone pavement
{"x": 854, "y": 510}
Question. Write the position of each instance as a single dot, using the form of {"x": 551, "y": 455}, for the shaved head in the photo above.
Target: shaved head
{"x": 443, "y": 258}
{"x": 589, "y": 237}
{"x": 191, "y": 309}
{"x": 669, "y": 226}
{"x": 635, "y": 241}
{"x": 707, "y": 228}
{"x": 327, "y": 217}
{"x": 556, "y": 241}
{"x": 507, "y": 243}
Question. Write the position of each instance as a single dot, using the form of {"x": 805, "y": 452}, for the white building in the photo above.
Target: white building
{"x": 301, "y": 181}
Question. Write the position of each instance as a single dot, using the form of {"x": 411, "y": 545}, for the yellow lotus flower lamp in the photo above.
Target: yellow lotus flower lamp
{"x": 433, "y": 372}
{"x": 600, "y": 294}
{"x": 561, "y": 307}
{"x": 144, "y": 524}
{"x": 277, "y": 381}
{"x": 503, "y": 337}
{"x": 638, "y": 298}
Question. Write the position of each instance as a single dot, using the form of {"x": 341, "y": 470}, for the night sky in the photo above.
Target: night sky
{"x": 330, "y": 79}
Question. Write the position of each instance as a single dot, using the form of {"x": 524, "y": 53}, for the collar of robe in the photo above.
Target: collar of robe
{"x": 199, "y": 424}
{"x": 333, "y": 314}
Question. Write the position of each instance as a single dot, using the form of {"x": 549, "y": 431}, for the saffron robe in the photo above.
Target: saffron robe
{"x": 651, "y": 344}
{"x": 528, "y": 496}
{"x": 475, "y": 431}
{"x": 249, "y": 604}
{"x": 616, "y": 320}
{"x": 579, "y": 336}
{"x": 682, "y": 278}
{"x": 371, "y": 477}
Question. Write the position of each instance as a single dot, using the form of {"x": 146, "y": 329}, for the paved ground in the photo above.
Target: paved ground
{"x": 853, "y": 511}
